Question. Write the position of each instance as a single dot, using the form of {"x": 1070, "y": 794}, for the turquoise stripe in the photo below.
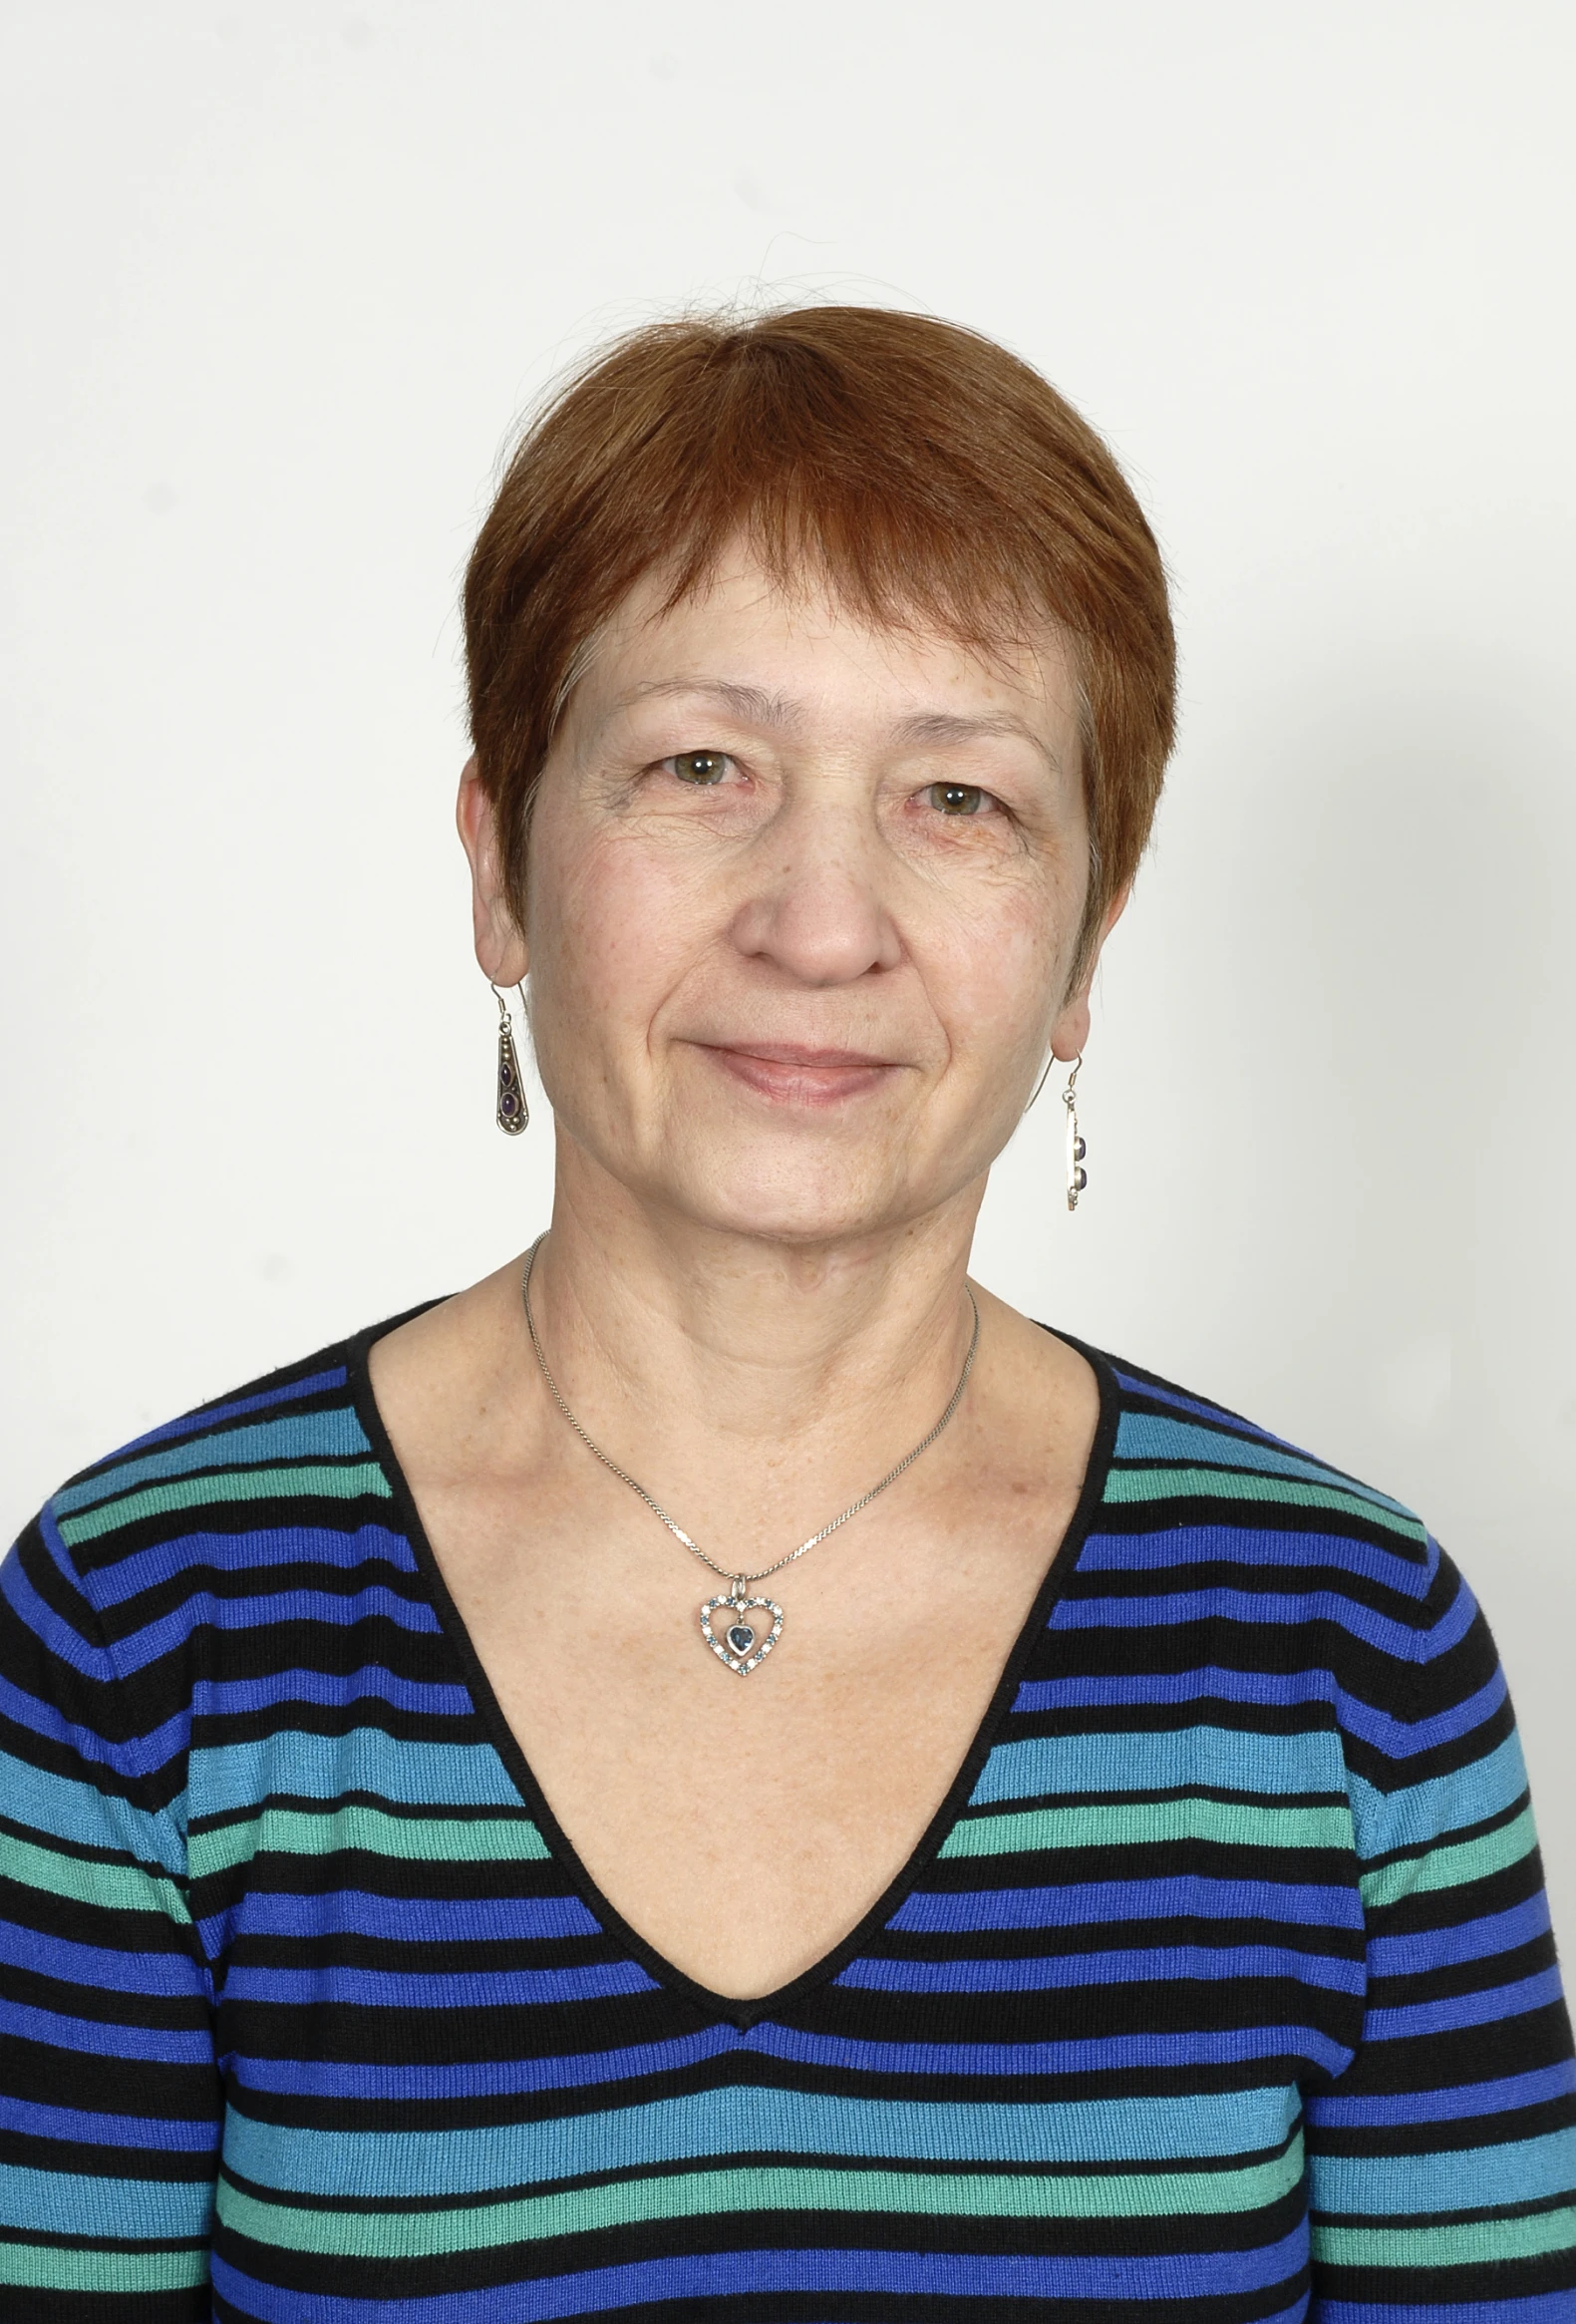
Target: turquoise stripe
{"x": 290, "y": 1765}
{"x": 1217, "y": 1758}
{"x": 324, "y": 1436}
{"x": 1385, "y": 1821}
{"x": 1136, "y": 1486}
{"x": 386, "y": 2165}
{"x": 1527, "y": 2170}
{"x": 304, "y": 1482}
{"x": 1141, "y": 1436}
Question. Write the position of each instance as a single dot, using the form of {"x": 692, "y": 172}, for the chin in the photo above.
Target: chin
{"x": 813, "y": 1201}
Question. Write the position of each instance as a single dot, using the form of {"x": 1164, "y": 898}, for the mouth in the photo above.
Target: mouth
{"x": 794, "y": 1073}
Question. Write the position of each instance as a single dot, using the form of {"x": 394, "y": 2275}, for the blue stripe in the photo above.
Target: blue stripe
{"x": 413, "y": 1920}
{"x": 1145, "y": 1436}
{"x": 139, "y": 1756}
{"x": 291, "y": 1764}
{"x": 389, "y": 2165}
{"x": 171, "y": 1976}
{"x": 171, "y": 2209}
{"x": 1526, "y": 2308}
{"x": 68, "y": 1645}
{"x": 718, "y": 2275}
{"x": 235, "y": 1697}
{"x": 202, "y": 1611}
{"x": 1110, "y": 2054}
{"x": 1081, "y": 1903}
{"x": 215, "y": 1416}
{"x": 257, "y": 1549}
{"x": 1220, "y": 1543}
{"x": 1457, "y": 2103}
{"x": 341, "y": 2079}
{"x": 501, "y": 2078}
{"x": 1201, "y": 1407}
{"x": 327, "y": 1985}
{"x": 57, "y": 1808}
{"x": 1466, "y": 1940}
{"x": 93, "y": 2037}
{"x": 1170, "y": 1609}
{"x": 1378, "y": 2186}
{"x": 1045, "y": 1972}
{"x": 1396, "y": 1738}
{"x": 77, "y": 2125}
{"x": 1228, "y": 1759}
{"x": 1465, "y": 2009}
{"x": 333, "y": 1435}
{"x": 1387, "y": 1821}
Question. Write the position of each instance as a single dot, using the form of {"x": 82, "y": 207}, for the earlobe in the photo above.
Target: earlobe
{"x": 1070, "y": 1036}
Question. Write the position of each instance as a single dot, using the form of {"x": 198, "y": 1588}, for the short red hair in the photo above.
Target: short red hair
{"x": 927, "y": 475}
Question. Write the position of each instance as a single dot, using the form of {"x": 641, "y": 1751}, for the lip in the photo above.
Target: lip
{"x": 796, "y": 1073}
{"x": 797, "y": 1053}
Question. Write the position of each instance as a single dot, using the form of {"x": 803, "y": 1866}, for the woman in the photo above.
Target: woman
{"x": 722, "y": 1771}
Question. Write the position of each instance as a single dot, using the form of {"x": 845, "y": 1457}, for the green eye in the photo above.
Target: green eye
{"x": 700, "y": 766}
{"x": 956, "y": 798}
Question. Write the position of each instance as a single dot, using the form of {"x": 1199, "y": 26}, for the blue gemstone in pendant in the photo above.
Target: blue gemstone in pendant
{"x": 741, "y": 1637}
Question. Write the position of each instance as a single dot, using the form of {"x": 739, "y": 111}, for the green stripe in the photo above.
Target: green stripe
{"x": 292, "y": 1832}
{"x": 116, "y": 1887}
{"x": 407, "y": 2235}
{"x": 347, "y": 1483}
{"x": 45, "y": 2269}
{"x": 1127, "y": 1485}
{"x": 1471, "y": 2246}
{"x": 1132, "y": 1825}
{"x": 1451, "y": 1866}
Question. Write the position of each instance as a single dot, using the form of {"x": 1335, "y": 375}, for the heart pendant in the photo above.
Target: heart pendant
{"x": 741, "y": 1645}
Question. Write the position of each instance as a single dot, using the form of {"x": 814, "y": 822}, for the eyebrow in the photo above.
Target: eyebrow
{"x": 764, "y": 709}
{"x": 940, "y": 725}
{"x": 752, "y": 701}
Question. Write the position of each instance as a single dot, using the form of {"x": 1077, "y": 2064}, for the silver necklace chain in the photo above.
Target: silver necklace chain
{"x": 730, "y": 1573}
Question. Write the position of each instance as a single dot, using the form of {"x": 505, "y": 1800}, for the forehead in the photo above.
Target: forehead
{"x": 781, "y": 653}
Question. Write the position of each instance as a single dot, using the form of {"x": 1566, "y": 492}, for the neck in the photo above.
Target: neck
{"x": 763, "y": 1377}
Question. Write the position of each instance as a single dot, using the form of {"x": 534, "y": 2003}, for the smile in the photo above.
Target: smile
{"x": 792, "y": 1074}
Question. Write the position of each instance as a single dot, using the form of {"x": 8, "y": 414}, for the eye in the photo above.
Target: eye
{"x": 957, "y": 798}
{"x": 700, "y": 766}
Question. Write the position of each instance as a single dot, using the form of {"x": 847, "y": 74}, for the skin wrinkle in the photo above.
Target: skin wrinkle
{"x": 754, "y": 704}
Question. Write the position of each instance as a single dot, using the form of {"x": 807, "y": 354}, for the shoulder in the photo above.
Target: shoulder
{"x": 187, "y": 1495}
{"x": 1205, "y": 1514}
{"x": 1222, "y": 1564}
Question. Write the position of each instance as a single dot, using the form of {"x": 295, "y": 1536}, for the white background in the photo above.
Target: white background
{"x": 277, "y": 280}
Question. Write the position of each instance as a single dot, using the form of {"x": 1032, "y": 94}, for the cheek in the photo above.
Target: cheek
{"x": 608, "y": 934}
{"x": 997, "y": 976}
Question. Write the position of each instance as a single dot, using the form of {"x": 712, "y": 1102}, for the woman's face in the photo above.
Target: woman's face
{"x": 803, "y": 901}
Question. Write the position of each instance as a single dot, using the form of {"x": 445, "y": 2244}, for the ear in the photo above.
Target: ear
{"x": 1070, "y": 1031}
{"x": 501, "y": 947}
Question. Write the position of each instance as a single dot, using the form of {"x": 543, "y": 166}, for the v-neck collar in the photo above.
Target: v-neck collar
{"x": 741, "y": 2011}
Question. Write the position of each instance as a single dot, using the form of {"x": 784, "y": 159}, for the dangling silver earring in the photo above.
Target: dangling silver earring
{"x": 512, "y": 1112}
{"x": 1076, "y": 1176}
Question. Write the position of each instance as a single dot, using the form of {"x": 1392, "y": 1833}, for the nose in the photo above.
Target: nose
{"x": 817, "y": 912}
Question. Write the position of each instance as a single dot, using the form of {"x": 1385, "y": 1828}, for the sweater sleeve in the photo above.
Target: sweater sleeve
{"x": 1442, "y": 2162}
{"x": 109, "y": 2100}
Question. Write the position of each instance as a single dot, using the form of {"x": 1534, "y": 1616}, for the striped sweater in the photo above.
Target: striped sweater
{"x": 1220, "y": 1989}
